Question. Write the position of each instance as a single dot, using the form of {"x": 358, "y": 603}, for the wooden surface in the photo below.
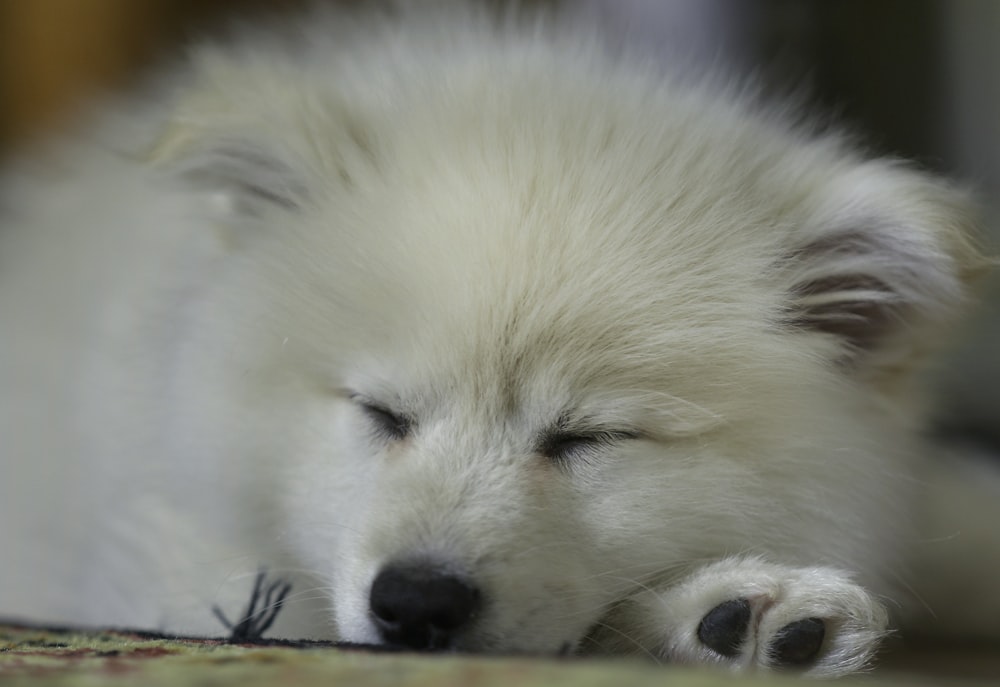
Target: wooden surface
{"x": 54, "y": 54}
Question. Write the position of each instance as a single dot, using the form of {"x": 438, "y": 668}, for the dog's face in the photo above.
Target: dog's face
{"x": 516, "y": 364}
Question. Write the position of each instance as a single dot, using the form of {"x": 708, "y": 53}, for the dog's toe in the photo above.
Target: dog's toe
{"x": 798, "y": 643}
{"x": 748, "y": 614}
{"x": 724, "y": 628}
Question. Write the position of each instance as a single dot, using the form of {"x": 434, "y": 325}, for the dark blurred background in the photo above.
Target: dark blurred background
{"x": 917, "y": 78}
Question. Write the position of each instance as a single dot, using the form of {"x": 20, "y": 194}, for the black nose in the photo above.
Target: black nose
{"x": 421, "y": 607}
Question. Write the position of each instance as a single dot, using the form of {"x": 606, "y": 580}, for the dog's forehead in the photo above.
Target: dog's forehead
{"x": 610, "y": 274}
{"x": 531, "y": 323}
{"x": 621, "y": 254}
{"x": 617, "y": 284}
{"x": 676, "y": 366}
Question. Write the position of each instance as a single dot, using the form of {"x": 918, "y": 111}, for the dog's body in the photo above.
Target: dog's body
{"x": 491, "y": 340}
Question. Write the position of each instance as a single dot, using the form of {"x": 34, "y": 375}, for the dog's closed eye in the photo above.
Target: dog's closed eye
{"x": 388, "y": 424}
{"x": 563, "y": 446}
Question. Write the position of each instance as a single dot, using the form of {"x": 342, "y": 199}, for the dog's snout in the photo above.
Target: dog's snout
{"x": 421, "y": 607}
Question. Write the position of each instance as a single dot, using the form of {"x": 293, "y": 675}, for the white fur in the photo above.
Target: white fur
{"x": 488, "y": 230}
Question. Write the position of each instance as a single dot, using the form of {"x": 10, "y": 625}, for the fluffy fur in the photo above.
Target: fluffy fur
{"x": 486, "y": 299}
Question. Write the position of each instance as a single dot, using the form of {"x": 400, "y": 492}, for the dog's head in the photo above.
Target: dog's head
{"x": 525, "y": 338}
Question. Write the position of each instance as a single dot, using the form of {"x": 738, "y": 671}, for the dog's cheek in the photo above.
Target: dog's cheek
{"x": 328, "y": 473}
{"x": 664, "y": 504}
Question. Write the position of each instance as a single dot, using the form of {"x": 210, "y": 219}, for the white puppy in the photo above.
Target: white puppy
{"x": 486, "y": 338}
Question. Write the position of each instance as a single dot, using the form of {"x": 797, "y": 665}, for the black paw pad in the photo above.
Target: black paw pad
{"x": 724, "y": 628}
{"x": 799, "y": 642}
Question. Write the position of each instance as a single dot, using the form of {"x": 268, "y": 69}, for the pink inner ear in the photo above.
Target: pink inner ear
{"x": 859, "y": 309}
{"x": 854, "y": 285}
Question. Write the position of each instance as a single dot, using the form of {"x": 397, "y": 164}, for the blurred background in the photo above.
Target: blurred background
{"x": 917, "y": 78}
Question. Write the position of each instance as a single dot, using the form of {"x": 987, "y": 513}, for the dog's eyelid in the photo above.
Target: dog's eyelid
{"x": 601, "y": 434}
{"x": 592, "y": 428}
{"x": 366, "y": 401}
{"x": 562, "y": 443}
{"x": 393, "y": 424}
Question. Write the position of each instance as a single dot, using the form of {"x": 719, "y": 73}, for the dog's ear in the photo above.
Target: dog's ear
{"x": 883, "y": 265}
{"x": 242, "y": 176}
{"x": 243, "y": 130}
{"x": 213, "y": 142}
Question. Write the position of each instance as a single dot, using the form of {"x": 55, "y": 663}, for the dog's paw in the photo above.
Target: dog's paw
{"x": 748, "y": 614}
